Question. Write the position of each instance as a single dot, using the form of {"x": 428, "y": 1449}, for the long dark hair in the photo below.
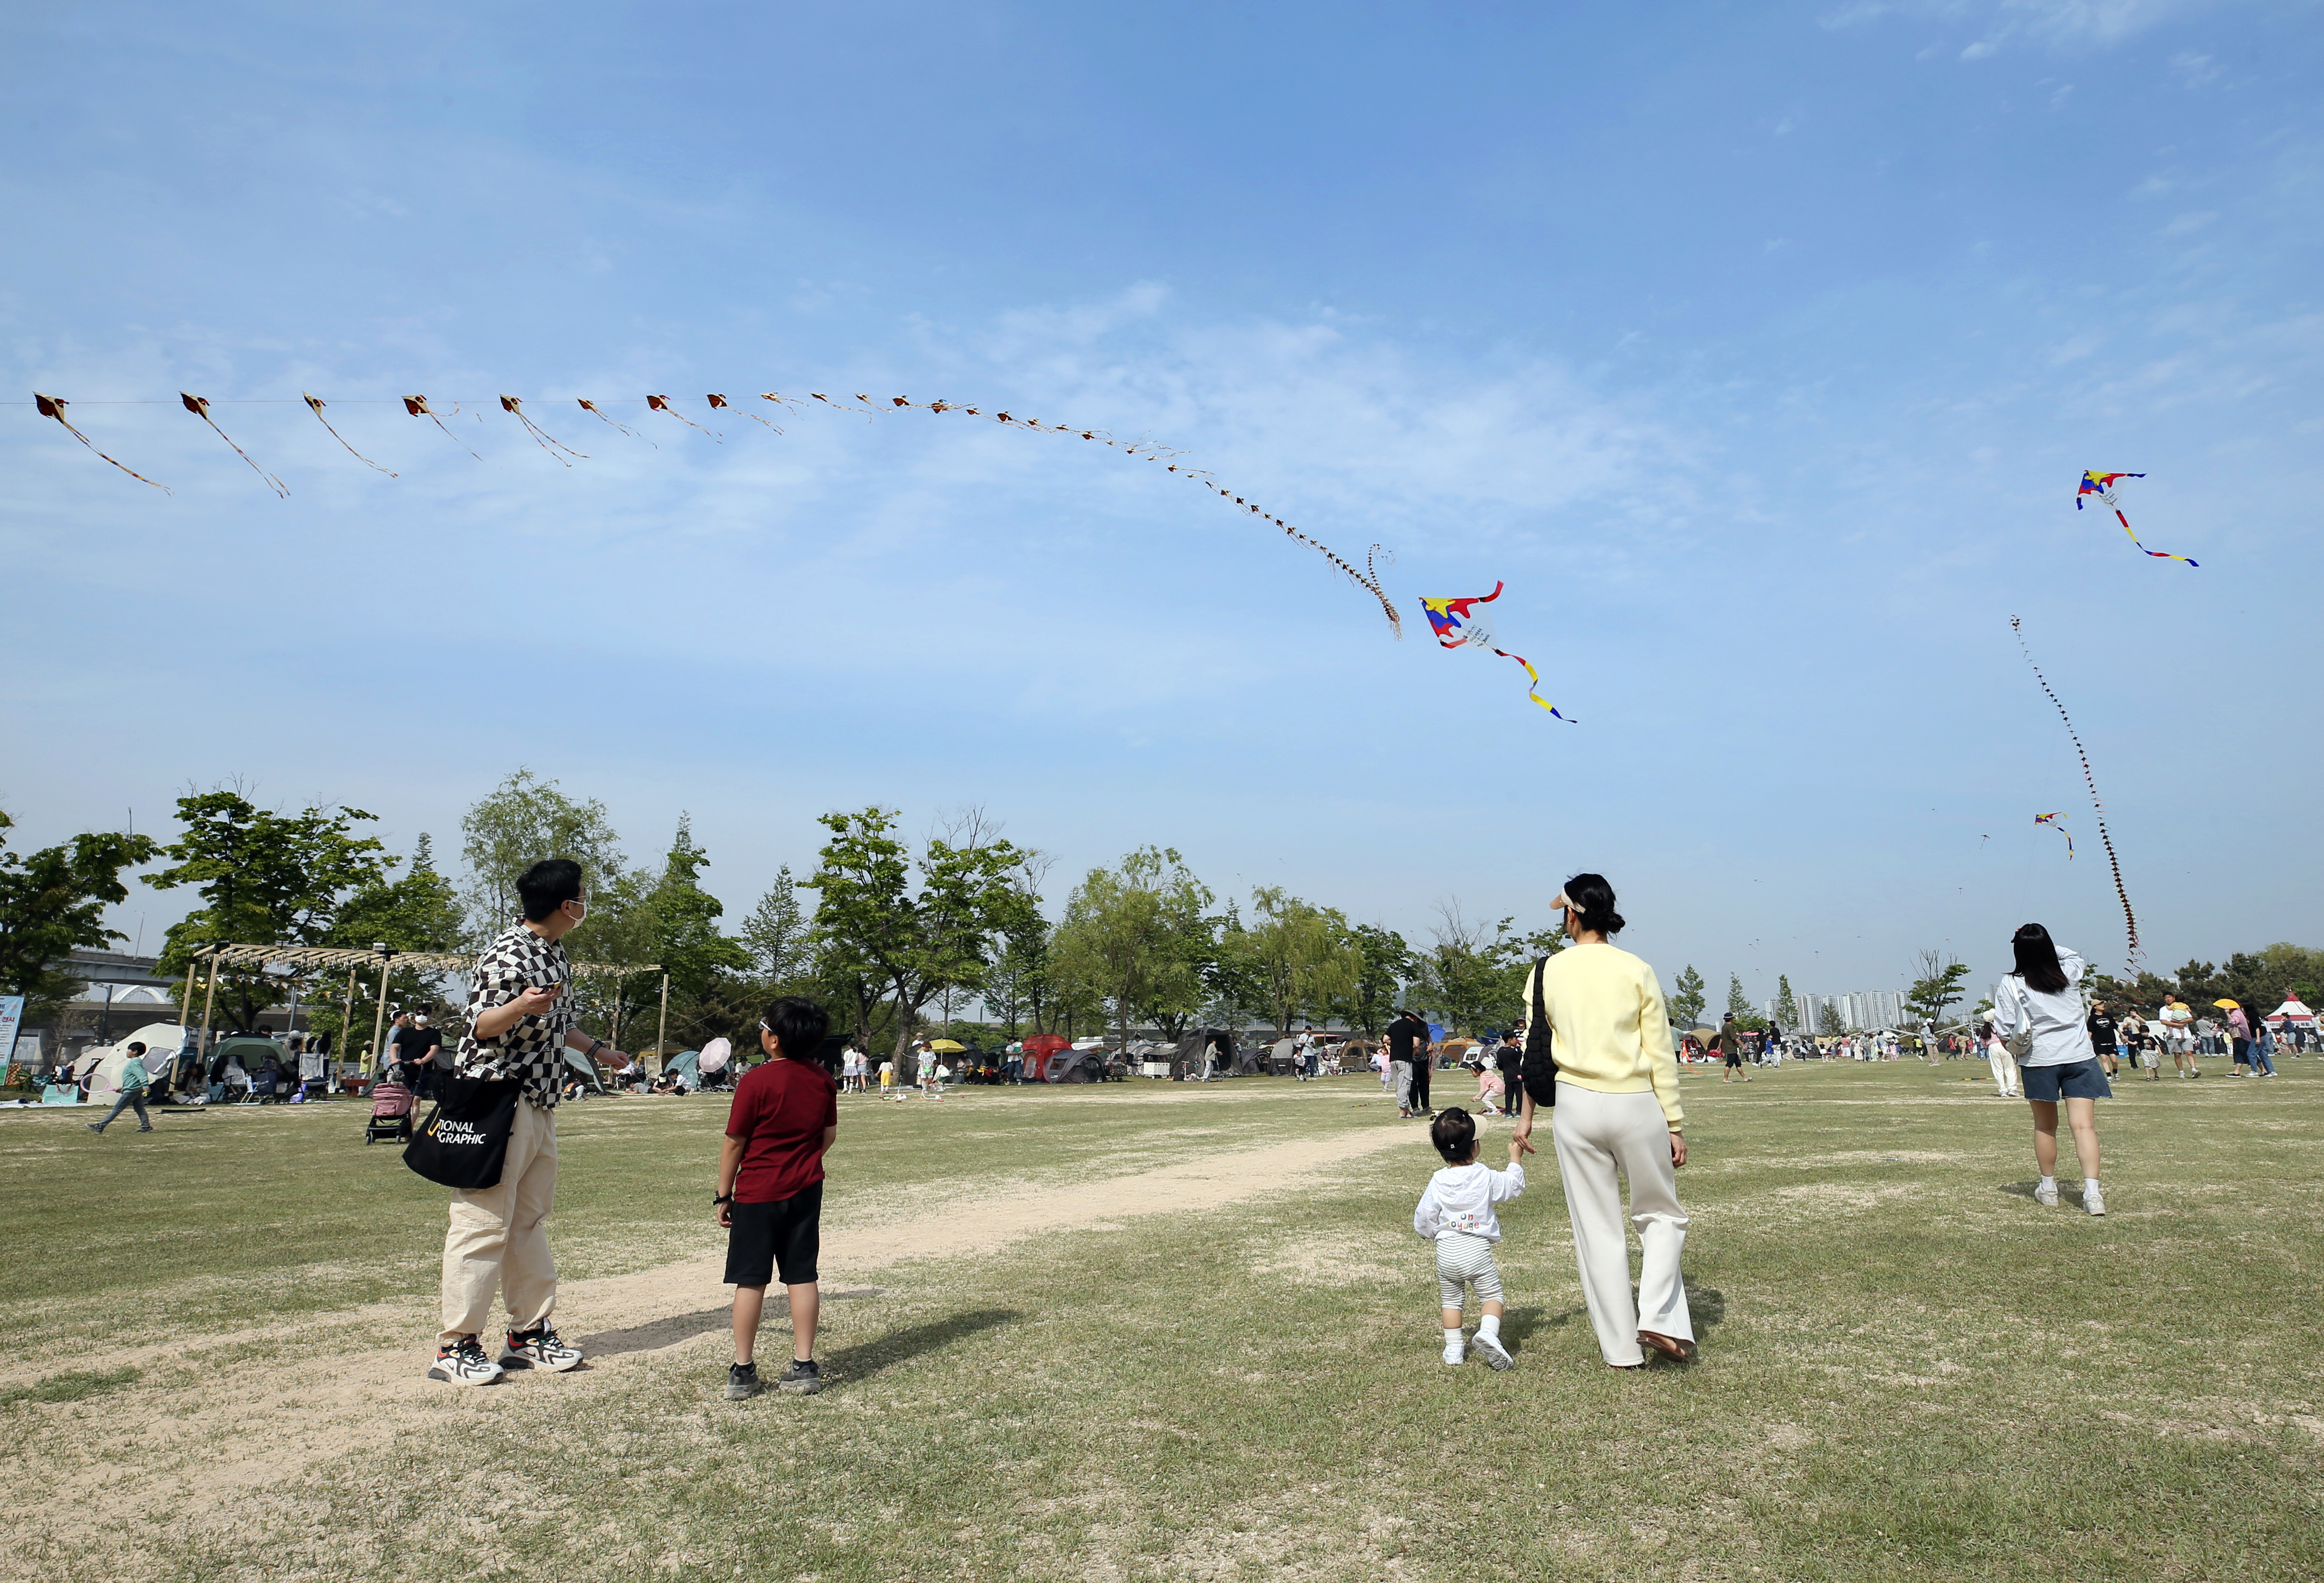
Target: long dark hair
{"x": 1595, "y": 898}
{"x": 2037, "y": 960}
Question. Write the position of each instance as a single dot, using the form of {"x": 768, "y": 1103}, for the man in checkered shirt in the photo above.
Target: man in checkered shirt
{"x": 520, "y": 1023}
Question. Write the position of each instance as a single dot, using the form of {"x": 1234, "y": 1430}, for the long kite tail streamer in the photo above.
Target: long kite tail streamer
{"x": 594, "y": 409}
{"x": 54, "y": 407}
{"x": 541, "y": 437}
{"x": 199, "y": 407}
{"x": 2057, "y": 821}
{"x": 662, "y": 404}
{"x": 720, "y": 404}
{"x": 417, "y": 407}
{"x": 342, "y": 439}
{"x": 2129, "y": 919}
{"x": 2102, "y": 485}
{"x": 1459, "y": 623}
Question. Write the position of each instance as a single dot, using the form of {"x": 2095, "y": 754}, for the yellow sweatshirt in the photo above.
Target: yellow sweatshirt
{"x": 1609, "y": 1031}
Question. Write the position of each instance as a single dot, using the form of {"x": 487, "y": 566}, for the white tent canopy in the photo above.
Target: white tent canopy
{"x": 161, "y": 1041}
{"x": 2290, "y": 1011}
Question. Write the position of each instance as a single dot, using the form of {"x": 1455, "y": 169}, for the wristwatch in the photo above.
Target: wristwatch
{"x": 719, "y": 1198}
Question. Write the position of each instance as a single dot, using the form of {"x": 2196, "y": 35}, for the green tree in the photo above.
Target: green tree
{"x": 53, "y": 901}
{"x": 869, "y": 923}
{"x": 518, "y": 823}
{"x": 1686, "y": 1003}
{"x": 421, "y": 912}
{"x": 1385, "y": 964}
{"x": 1787, "y": 1010}
{"x": 777, "y": 931}
{"x": 1137, "y": 936}
{"x": 266, "y": 879}
{"x": 1306, "y": 956}
{"x": 1737, "y": 1005}
{"x": 1472, "y": 973}
{"x": 1828, "y": 1021}
{"x": 1938, "y": 985}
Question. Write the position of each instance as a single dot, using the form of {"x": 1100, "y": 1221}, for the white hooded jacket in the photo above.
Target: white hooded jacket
{"x": 1460, "y": 1197}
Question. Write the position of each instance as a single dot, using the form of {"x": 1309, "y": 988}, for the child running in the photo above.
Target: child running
{"x": 1457, "y": 1212}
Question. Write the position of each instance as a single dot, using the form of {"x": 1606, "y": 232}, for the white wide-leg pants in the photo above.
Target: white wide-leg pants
{"x": 1600, "y": 1138}
{"x": 2005, "y": 1069}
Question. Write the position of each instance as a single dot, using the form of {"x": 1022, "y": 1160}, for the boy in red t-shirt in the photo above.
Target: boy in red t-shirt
{"x": 770, "y": 1195}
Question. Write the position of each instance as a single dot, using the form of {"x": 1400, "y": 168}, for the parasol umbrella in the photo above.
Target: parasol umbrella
{"x": 715, "y": 1056}
{"x": 2229, "y": 1005}
{"x": 949, "y": 1046}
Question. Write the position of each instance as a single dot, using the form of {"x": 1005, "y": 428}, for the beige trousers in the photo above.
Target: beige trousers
{"x": 499, "y": 1236}
{"x": 1602, "y": 1136}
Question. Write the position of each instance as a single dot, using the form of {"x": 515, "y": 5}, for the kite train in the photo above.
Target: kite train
{"x": 1460, "y": 625}
{"x": 417, "y": 406}
{"x": 2057, "y": 821}
{"x": 2102, "y": 485}
{"x": 2129, "y": 919}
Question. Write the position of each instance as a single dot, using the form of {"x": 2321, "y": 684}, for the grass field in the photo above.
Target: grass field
{"x": 1153, "y": 1331}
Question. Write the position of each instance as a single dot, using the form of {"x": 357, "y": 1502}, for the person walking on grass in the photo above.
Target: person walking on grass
{"x": 2178, "y": 1030}
{"x": 1456, "y": 1212}
{"x": 2239, "y": 1040}
{"x": 770, "y": 1193}
{"x": 2041, "y": 997}
{"x": 2003, "y": 1064}
{"x": 1616, "y": 1114}
{"x": 520, "y": 1021}
{"x": 134, "y": 1080}
{"x": 1407, "y": 1046}
{"x": 1729, "y": 1040}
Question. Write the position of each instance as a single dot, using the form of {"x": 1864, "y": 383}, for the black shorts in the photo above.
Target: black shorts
{"x": 782, "y": 1237}
{"x": 1735, "y": 1058}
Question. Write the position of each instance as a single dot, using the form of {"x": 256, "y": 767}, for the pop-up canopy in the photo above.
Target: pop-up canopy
{"x": 2290, "y": 1011}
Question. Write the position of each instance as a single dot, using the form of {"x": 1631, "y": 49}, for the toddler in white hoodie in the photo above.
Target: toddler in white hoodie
{"x": 1457, "y": 1211}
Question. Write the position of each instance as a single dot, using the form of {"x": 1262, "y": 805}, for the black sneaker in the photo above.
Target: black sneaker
{"x": 801, "y": 1379}
{"x": 742, "y": 1382}
{"x": 465, "y": 1365}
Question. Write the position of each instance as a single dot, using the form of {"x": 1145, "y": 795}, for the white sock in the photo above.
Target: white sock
{"x": 2049, "y": 1184}
{"x": 1453, "y": 1340}
{"x": 2089, "y": 1186}
{"x": 1489, "y": 1327}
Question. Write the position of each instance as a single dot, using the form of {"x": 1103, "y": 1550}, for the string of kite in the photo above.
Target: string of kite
{"x": 1459, "y": 623}
{"x": 2057, "y": 821}
{"x": 2130, "y": 919}
{"x": 2102, "y": 484}
{"x": 1165, "y": 457}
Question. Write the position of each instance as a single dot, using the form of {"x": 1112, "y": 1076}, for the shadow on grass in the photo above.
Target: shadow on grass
{"x": 2018, "y": 1190}
{"x": 677, "y": 1328}
{"x": 867, "y": 1358}
{"x": 1706, "y": 1305}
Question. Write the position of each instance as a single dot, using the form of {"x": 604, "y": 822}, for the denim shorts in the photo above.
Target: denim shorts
{"x": 2079, "y": 1080}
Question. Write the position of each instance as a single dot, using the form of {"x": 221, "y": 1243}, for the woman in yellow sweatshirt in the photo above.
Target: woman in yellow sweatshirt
{"x": 1616, "y": 1114}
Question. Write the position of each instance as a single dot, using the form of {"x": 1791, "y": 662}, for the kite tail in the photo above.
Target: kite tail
{"x": 54, "y": 407}
{"x": 662, "y": 404}
{"x": 1533, "y": 692}
{"x": 417, "y": 407}
{"x": 342, "y": 439}
{"x": 2130, "y": 919}
{"x": 2158, "y": 554}
{"x": 592, "y": 408}
{"x": 199, "y": 407}
{"x": 541, "y": 437}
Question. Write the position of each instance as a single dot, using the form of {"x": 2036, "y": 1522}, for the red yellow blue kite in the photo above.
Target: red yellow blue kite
{"x": 2102, "y": 485}
{"x": 1459, "y": 623}
{"x": 2057, "y": 821}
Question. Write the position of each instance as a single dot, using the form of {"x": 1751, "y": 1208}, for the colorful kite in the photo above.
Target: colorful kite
{"x": 2102, "y": 485}
{"x": 1460, "y": 625}
{"x": 2057, "y": 821}
{"x": 2129, "y": 919}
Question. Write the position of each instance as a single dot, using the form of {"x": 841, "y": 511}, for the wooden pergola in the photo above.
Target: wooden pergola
{"x": 317, "y": 960}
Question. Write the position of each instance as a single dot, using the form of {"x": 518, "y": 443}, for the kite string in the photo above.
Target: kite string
{"x": 2130, "y": 919}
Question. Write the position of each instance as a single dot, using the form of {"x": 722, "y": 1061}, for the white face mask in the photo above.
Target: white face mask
{"x": 582, "y": 913}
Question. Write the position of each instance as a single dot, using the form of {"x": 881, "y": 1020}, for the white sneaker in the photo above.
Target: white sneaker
{"x": 2094, "y": 1201}
{"x": 2047, "y": 1196}
{"x": 539, "y": 1348}
{"x": 465, "y": 1365}
{"x": 1455, "y": 1357}
{"x": 1490, "y": 1348}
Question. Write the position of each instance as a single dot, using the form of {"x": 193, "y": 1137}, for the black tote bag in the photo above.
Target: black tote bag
{"x": 1540, "y": 1064}
{"x": 464, "y": 1142}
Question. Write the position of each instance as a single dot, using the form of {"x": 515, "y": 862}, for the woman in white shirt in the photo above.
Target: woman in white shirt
{"x": 2041, "y": 997}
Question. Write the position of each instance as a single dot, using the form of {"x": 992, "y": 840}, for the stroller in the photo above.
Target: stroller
{"x": 391, "y": 1111}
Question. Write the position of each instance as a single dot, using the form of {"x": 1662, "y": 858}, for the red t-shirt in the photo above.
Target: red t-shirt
{"x": 780, "y": 1111}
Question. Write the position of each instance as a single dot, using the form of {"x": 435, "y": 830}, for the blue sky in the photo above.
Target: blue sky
{"x": 1757, "y": 349}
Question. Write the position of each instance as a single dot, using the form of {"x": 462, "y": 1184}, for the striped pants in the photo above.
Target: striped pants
{"x": 1464, "y": 1259}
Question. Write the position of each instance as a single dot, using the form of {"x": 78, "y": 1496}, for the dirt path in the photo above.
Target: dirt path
{"x": 216, "y": 1424}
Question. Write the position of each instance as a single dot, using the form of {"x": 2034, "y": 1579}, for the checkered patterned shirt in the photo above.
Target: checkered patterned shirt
{"x": 531, "y": 1049}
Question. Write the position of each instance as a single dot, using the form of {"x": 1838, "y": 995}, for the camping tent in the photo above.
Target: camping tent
{"x": 161, "y": 1041}
{"x": 1039, "y": 1049}
{"x": 1220, "y": 1042}
{"x": 2290, "y": 1013}
{"x": 1076, "y": 1065}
